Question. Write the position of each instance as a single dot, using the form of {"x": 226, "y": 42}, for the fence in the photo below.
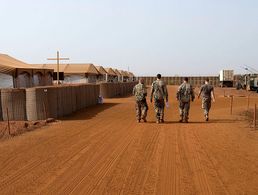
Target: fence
{"x": 195, "y": 81}
{"x": 14, "y": 100}
{"x": 109, "y": 90}
{"x": 40, "y": 103}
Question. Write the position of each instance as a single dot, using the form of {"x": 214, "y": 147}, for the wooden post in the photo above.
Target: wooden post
{"x": 231, "y": 104}
{"x": 255, "y": 117}
{"x": 8, "y": 121}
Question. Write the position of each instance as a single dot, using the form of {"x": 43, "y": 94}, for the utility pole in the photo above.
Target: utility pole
{"x": 57, "y": 63}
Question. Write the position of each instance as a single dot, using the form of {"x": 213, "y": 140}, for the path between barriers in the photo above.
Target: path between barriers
{"x": 102, "y": 150}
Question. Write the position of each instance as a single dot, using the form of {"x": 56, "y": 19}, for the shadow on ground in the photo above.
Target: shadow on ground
{"x": 89, "y": 112}
{"x": 197, "y": 122}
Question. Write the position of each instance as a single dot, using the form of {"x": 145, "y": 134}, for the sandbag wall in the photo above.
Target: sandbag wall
{"x": 109, "y": 90}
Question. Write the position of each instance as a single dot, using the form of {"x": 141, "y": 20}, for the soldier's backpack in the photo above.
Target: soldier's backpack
{"x": 185, "y": 93}
{"x": 140, "y": 93}
{"x": 158, "y": 91}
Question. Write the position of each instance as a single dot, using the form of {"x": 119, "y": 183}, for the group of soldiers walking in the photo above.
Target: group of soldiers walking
{"x": 185, "y": 94}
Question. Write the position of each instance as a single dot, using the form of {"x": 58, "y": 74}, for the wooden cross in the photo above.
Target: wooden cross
{"x": 57, "y": 60}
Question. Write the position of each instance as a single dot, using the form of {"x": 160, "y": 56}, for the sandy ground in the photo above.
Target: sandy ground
{"x": 102, "y": 150}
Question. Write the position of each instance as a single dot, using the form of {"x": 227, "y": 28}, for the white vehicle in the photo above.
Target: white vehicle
{"x": 226, "y": 78}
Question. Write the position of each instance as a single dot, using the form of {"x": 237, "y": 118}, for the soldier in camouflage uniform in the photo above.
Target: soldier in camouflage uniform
{"x": 160, "y": 94}
{"x": 140, "y": 93}
{"x": 185, "y": 94}
{"x": 207, "y": 93}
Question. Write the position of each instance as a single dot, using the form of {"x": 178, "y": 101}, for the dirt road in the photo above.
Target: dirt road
{"x": 102, "y": 150}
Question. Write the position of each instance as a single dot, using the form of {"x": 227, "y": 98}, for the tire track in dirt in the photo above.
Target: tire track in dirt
{"x": 140, "y": 167}
{"x": 86, "y": 162}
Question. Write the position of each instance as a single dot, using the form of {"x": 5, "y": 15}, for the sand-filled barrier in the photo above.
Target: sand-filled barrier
{"x": 1, "y": 114}
{"x": 40, "y": 103}
{"x": 13, "y": 100}
{"x": 109, "y": 90}
{"x": 56, "y": 102}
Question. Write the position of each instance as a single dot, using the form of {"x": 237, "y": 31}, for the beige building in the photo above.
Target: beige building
{"x": 102, "y": 74}
{"x": 75, "y": 73}
{"x": 111, "y": 75}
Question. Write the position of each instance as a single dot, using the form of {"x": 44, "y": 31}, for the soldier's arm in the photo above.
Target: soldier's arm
{"x": 145, "y": 91}
{"x": 200, "y": 91}
{"x": 192, "y": 93}
{"x": 152, "y": 91}
{"x": 134, "y": 90}
{"x": 213, "y": 94}
{"x": 177, "y": 93}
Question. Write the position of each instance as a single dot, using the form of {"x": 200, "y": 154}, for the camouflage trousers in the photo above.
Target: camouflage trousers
{"x": 141, "y": 109}
{"x": 159, "y": 109}
{"x": 206, "y": 105}
{"x": 184, "y": 108}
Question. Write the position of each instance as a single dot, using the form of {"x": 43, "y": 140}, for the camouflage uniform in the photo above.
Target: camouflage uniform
{"x": 140, "y": 93}
{"x": 206, "y": 91}
{"x": 159, "y": 92}
{"x": 185, "y": 94}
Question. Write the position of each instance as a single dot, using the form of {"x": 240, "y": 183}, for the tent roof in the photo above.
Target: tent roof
{"x": 101, "y": 70}
{"x": 110, "y": 71}
{"x": 123, "y": 73}
{"x": 72, "y": 68}
{"x": 117, "y": 72}
{"x": 130, "y": 74}
{"x": 9, "y": 64}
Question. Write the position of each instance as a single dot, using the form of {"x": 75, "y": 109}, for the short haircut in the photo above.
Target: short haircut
{"x": 207, "y": 79}
{"x": 186, "y": 79}
{"x": 159, "y": 76}
{"x": 141, "y": 80}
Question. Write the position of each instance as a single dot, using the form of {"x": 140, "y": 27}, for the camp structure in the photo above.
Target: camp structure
{"x": 75, "y": 73}
{"x": 111, "y": 75}
{"x": 17, "y": 74}
{"x": 125, "y": 76}
{"x": 119, "y": 75}
{"x": 131, "y": 76}
{"x": 102, "y": 73}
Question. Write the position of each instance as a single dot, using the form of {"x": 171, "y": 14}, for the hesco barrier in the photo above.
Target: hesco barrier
{"x": 176, "y": 80}
{"x": 1, "y": 115}
{"x": 56, "y": 102}
{"x": 109, "y": 90}
{"x": 36, "y": 101}
{"x": 15, "y": 101}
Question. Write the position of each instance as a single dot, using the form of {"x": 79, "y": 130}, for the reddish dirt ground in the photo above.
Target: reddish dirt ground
{"x": 102, "y": 150}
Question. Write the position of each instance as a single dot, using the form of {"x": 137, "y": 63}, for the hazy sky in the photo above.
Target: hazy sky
{"x": 172, "y": 37}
